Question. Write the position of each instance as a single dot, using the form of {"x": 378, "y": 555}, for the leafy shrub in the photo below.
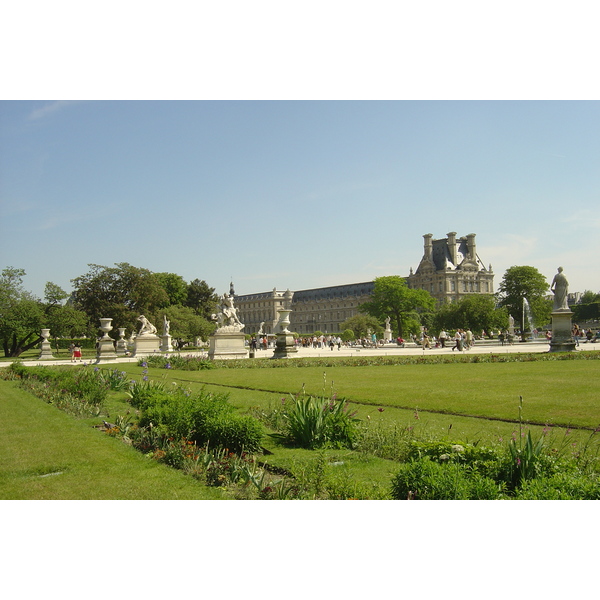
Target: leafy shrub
{"x": 176, "y": 361}
{"x": 482, "y": 459}
{"x": 83, "y": 383}
{"x": 145, "y": 393}
{"x": 203, "y": 417}
{"x": 114, "y": 379}
{"x": 317, "y": 422}
{"x": 562, "y": 486}
{"x": 428, "y": 480}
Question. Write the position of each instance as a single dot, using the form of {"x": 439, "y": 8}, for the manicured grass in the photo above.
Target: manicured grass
{"x": 460, "y": 402}
{"x": 565, "y": 393}
{"x": 46, "y": 454}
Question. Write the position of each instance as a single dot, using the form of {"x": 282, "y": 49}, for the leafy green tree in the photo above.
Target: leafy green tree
{"x": 175, "y": 287}
{"x": 186, "y": 325}
{"x": 520, "y": 283}
{"x": 122, "y": 292}
{"x": 392, "y": 297}
{"x": 348, "y": 335}
{"x": 63, "y": 320}
{"x": 54, "y": 294}
{"x": 360, "y": 325}
{"x": 588, "y": 297}
{"x": 201, "y": 298}
{"x": 477, "y": 312}
{"x": 21, "y": 314}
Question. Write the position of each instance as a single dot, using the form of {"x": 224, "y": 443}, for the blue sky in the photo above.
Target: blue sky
{"x": 296, "y": 194}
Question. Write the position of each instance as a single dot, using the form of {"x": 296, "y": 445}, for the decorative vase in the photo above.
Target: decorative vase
{"x": 284, "y": 319}
{"x": 105, "y": 326}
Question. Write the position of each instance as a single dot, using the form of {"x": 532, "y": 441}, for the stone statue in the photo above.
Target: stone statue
{"x": 260, "y": 329}
{"x": 387, "y": 324}
{"x": 560, "y": 287}
{"x": 166, "y": 325}
{"x": 227, "y": 317}
{"x": 147, "y": 328}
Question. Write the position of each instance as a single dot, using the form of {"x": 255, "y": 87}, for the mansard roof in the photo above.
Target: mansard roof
{"x": 335, "y": 291}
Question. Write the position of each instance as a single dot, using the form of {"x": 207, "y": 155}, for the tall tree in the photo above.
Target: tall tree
{"x": 175, "y": 287}
{"x": 361, "y": 324}
{"x": 477, "y": 312}
{"x": 201, "y": 298}
{"x": 392, "y": 298}
{"x": 63, "y": 320}
{"x": 186, "y": 325}
{"x": 522, "y": 283}
{"x": 21, "y": 314}
{"x": 122, "y": 292}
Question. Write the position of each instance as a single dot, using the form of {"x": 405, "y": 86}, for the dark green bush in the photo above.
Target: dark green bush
{"x": 65, "y": 343}
{"x": 562, "y": 486}
{"x": 203, "y": 418}
{"x": 428, "y": 480}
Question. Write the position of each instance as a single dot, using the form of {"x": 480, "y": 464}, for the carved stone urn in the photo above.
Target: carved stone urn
{"x": 105, "y": 327}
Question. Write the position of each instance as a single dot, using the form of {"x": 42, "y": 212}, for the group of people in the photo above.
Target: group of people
{"x": 461, "y": 340}
{"x": 588, "y": 334}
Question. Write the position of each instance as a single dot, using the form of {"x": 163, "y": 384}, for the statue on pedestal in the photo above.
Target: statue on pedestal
{"x": 227, "y": 317}
{"x": 228, "y": 340}
{"x": 560, "y": 287}
{"x": 146, "y": 328}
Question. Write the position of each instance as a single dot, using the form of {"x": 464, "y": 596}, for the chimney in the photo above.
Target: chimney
{"x": 452, "y": 246}
{"x": 471, "y": 246}
{"x": 428, "y": 247}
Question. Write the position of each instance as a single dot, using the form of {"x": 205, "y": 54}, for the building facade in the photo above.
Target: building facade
{"x": 450, "y": 269}
{"x": 259, "y": 309}
{"x": 324, "y": 309}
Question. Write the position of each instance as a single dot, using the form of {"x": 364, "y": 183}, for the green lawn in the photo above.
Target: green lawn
{"x": 46, "y": 454}
{"x": 565, "y": 393}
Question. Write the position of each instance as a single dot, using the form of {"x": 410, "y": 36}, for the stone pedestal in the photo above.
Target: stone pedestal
{"x": 165, "y": 343}
{"x": 227, "y": 344}
{"x": 562, "y": 337}
{"x": 121, "y": 343}
{"x": 45, "y": 346}
{"x": 105, "y": 350}
{"x": 146, "y": 344}
{"x": 285, "y": 346}
{"x": 106, "y": 345}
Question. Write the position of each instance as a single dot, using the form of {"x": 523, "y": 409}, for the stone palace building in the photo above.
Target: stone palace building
{"x": 449, "y": 270}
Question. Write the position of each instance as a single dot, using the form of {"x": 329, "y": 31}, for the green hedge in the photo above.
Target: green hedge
{"x": 65, "y": 343}
{"x": 204, "y": 418}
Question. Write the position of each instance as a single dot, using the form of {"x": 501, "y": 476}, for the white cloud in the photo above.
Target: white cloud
{"x": 53, "y": 107}
{"x": 584, "y": 218}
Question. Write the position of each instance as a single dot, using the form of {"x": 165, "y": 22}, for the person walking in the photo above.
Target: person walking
{"x": 443, "y": 337}
{"x": 76, "y": 353}
{"x": 458, "y": 341}
{"x": 468, "y": 339}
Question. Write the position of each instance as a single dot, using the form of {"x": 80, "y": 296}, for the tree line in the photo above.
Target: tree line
{"x": 122, "y": 292}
